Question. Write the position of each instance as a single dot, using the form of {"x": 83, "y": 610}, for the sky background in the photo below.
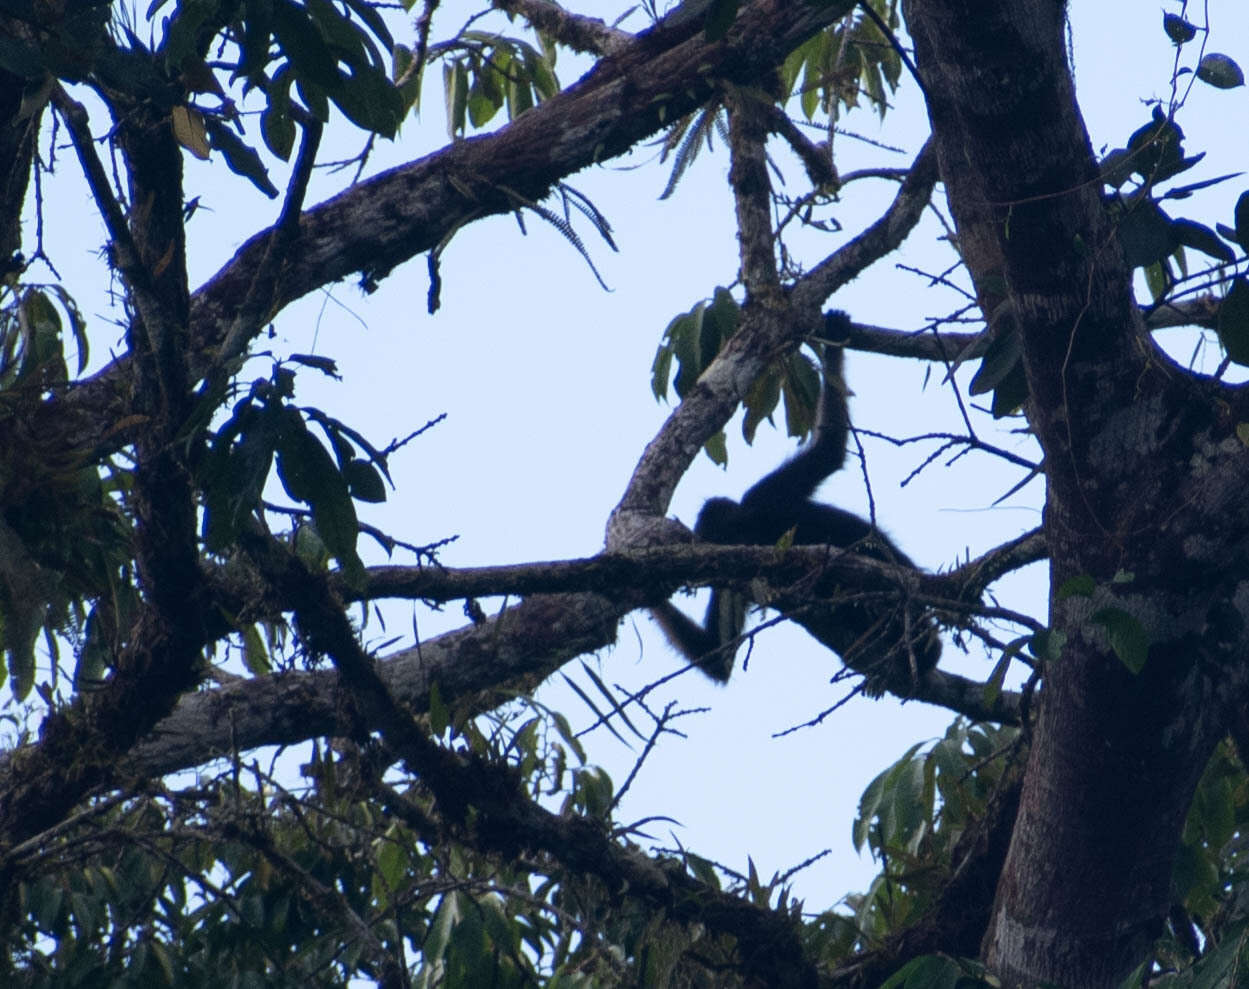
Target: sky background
{"x": 544, "y": 378}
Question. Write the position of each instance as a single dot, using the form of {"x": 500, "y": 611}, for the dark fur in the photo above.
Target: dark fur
{"x": 870, "y": 636}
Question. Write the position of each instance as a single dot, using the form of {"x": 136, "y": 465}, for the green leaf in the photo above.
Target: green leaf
{"x": 717, "y": 449}
{"x": 1145, "y": 233}
{"x": 234, "y": 474}
{"x": 257, "y": 32}
{"x": 276, "y": 126}
{"x": 301, "y": 459}
{"x": 304, "y": 45}
{"x": 368, "y": 13}
{"x": 345, "y": 41}
{"x": 255, "y": 656}
{"x": 661, "y": 371}
{"x": 95, "y": 656}
{"x": 314, "y": 98}
{"x": 1178, "y": 29}
{"x": 1010, "y": 393}
{"x": 363, "y": 481}
{"x": 183, "y": 31}
{"x": 931, "y": 972}
{"x": 1047, "y": 644}
{"x": 1242, "y": 220}
{"x": 439, "y": 716}
{"x": 455, "y": 87}
{"x": 1220, "y": 71}
{"x": 411, "y": 89}
{"x": 1001, "y": 357}
{"x": 519, "y": 97}
{"x": 1082, "y": 585}
{"x": 370, "y": 101}
{"x": 240, "y": 157}
{"x": 871, "y": 801}
{"x": 1127, "y": 637}
{"x": 1201, "y": 238}
{"x": 1233, "y": 328}
{"x": 77, "y": 325}
{"x": 310, "y": 548}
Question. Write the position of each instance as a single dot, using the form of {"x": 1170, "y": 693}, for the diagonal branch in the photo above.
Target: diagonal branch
{"x": 378, "y": 224}
{"x": 577, "y": 31}
{"x": 485, "y": 804}
{"x": 762, "y": 333}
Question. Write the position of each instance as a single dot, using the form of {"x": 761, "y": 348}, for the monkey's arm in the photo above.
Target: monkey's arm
{"x": 795, "y": 481}
{"x": 711, "y": 646}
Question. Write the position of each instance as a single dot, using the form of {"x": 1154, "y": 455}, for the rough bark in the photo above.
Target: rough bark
{"x": 376, "y": 225}
{"x": 1141, "y": 468}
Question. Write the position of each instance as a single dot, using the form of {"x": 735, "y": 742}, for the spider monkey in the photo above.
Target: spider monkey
{"x": 876, "y": 638}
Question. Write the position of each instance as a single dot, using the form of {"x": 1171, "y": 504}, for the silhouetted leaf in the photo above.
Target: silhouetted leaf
{"x": 240, "y": 157}
{"x": 1201, "y": 238}
{"x": 363, "y": 481}
{"x": 1178, "y": 29}
{"x": 1220, "y": 71}
{"x": 1234, "y": 321}
{"x": 1145, "y": 233}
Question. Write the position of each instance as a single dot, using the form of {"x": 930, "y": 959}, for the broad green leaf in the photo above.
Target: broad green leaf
{"x": 276, "y": 126}
{"x": 255, "y": 655}
{"x": 364, "y": 481}
{"x": 1242, "y": 220}
{"x": 301, "y": 460}
{"x": 439, "y": 715}
{"x": 1201, "y": 238}
{"x": 455, "y": 87}
{"x": 932, "y": 972}
{"x": 717, "y": 449}
{"x": 1220, "y": 71}
{"x": 77, "y": 325}
{"x": 240, "y": 157}
{"x": 183, "y": 31}
{"x": 410, "y": 89}
{"x": 1178, "y": 29}
{"x": 368, "y": 13}
{"x": 1082, "y": 585}
{"x": 1011, "y": 392}
{"x": 1000, "y": 358}
{"x": 346, "y": 41}
{"x": 1145, "y": 233}
{"x": 1233, "y": 326}
{"x": 1127, "y": 637}
{"x": 304, "y": 45}
{"x": 370, "y": 101}
{"x": 95, "y": 656}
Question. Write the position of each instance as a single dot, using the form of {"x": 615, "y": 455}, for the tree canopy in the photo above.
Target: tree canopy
{"x": 194, "y": 585}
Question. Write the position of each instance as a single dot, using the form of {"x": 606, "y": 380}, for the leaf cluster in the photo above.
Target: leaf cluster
{"x": 693, "y": 339}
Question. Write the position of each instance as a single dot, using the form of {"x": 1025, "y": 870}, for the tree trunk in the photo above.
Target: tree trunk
{"x": 1140, "y": 474}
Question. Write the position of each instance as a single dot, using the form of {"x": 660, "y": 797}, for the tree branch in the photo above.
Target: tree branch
{"x": 378, "y": 224}
{"x": 636, "y": 519}
{"x": 576, "y": 31}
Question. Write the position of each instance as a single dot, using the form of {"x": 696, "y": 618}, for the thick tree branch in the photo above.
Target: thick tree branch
{"x": 485, "y": 804}
{"x": 382, "y": 222}
{"x": 521, "y": 645}
{"x": 576, "y": 31}
{"x": 763, "y": 333}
